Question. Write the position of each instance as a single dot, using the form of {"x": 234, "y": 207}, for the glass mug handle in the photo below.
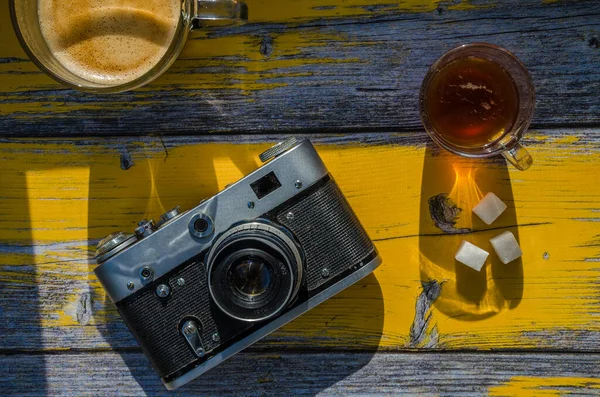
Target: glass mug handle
{"x": 220, "y": 12}
{"x": 518, "y": 156}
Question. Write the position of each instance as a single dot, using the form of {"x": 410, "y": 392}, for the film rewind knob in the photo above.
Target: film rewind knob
{"x": 278, "y": 149}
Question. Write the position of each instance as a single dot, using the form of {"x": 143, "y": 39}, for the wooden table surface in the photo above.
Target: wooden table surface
{"x": 346, "y": 73}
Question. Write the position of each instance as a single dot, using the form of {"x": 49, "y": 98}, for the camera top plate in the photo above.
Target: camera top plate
{"x": 167, "y": 247}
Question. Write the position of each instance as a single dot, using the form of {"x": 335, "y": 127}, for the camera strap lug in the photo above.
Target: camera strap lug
{"x": 191, "y": 332}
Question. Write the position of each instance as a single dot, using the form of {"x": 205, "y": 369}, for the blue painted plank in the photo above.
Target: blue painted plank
{"x": 369, "y": 83}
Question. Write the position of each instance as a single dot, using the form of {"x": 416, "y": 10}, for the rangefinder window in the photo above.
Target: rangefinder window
{"x": 265, "y": 185}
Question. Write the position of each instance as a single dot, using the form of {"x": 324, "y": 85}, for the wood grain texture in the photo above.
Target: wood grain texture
{"x": 309, "y": 374}
{"x": 421, "y": 324}
{"x": 320, "y": 66}
{"x": 59, "y": 197}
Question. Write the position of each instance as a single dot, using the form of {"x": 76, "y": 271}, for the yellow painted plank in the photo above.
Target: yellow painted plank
{"x": 59, "y": 195}
{"x": 546, "y": 386}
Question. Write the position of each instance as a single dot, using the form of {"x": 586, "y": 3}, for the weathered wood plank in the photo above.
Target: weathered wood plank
{"x": 287, "y": 374}
{"x": 59, "y": 197}
{"x": 320, "y": 66}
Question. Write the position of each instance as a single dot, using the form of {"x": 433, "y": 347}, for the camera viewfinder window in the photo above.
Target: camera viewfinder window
{"x": 265, "y": 185}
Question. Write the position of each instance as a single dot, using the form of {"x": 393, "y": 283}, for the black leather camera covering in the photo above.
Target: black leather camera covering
{"x": 328, "y": 231}
{"x": 155, "y": 322}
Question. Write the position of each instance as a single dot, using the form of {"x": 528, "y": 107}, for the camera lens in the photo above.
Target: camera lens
{"x": 254, "y": 271}
{"x": 251, "y": 275}
{"x": 250, "y": 279}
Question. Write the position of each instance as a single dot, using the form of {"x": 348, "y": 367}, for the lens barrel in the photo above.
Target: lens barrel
{"x": 254, "y": 271}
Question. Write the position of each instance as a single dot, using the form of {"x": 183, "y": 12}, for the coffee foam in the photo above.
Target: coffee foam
{"x": 109, "y": 41}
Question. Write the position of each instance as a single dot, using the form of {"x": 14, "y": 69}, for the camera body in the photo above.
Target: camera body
{"x": 200, "y": 286}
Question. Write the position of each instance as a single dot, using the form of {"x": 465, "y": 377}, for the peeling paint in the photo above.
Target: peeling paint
{"x": 444, "y": 214}
{"x": 419, "y": 331}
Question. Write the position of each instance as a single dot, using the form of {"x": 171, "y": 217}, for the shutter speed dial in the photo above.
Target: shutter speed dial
{"x": 170, "y": 215}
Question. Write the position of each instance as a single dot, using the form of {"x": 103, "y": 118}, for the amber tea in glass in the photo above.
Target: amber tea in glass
{"x": 477, "y": 101}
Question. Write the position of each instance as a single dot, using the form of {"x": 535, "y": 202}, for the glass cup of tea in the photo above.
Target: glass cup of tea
{"x": 113, "y": 45}
{"x": 477, "y": 100}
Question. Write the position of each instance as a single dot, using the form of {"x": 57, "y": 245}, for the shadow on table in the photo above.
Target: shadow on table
{"x": 151, "y": 183}
{"x": 450, "y": 188}
{"x": 20, "y": 302}
{"x": 307, "y": 359}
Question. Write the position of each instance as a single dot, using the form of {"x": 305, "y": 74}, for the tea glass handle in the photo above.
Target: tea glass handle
{"x": 220, "y": 12}
{"x": 519, "y": 157}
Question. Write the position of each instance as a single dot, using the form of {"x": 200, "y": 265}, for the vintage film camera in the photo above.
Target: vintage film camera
{"x": 202, "y": 285}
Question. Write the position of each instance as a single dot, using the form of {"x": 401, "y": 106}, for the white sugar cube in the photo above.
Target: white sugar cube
{"x": 506, "y": 247}
{"x": 471, "y": 255}
{"x": 489, "y": 208}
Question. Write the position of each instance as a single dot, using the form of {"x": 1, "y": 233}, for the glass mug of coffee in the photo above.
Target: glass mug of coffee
{"x": 477, "y": 100}
{"x": 106, "y": 46}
